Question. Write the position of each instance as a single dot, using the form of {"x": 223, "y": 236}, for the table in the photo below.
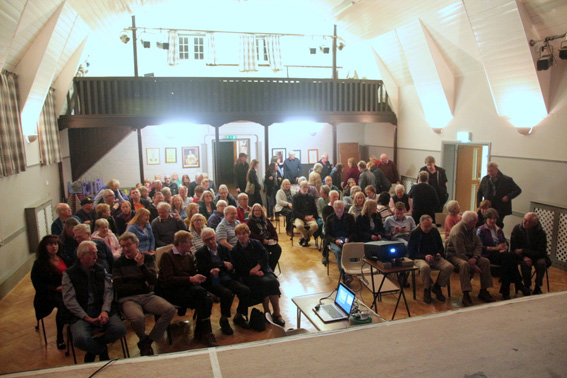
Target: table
{"x": 401, "y": 273}
{"x": 305, "y": 304}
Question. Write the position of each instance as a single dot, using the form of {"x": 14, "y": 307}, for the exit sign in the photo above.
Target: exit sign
{"x": 230, "y": 137}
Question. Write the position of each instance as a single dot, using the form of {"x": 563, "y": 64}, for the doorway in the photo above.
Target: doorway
{"x": 465, "y": 165}
{"x": 228, "y": 151}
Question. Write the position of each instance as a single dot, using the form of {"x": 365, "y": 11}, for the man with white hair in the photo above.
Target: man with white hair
{"x": 63, "y": 213}
{"x": 340, "y": 228}
{"x": 243, "y": 210}
{"x": 389, "y": 168}
{"x": 167, "y": 183}
{"x": 464, "y": 251}
{"x": 89, "y": 297}
{"x": 82, "y": 232}
{"x": 499, "y": 189}
{"x": 165, "y": 225}
{"x": 226, "y": 228}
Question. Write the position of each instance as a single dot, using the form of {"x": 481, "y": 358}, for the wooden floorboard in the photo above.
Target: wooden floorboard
{"x": 22, "y": 347}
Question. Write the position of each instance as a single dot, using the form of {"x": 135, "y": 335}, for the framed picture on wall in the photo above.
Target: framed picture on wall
{"x": 152, "y": 156}
{"x": 312, "y": 156}
{"x": 297, "y": 154}
{"x": 191, "y": 158}
{"x": 170, "y": 155}
{"x": 279, "y": 152}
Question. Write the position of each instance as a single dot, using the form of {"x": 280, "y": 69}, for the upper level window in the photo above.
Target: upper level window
{"x": 191, "y": 47}
{"x": 262, "y": 51}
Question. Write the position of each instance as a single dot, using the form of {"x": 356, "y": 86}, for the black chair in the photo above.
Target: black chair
{"x": 43, "y": 328}
{"x": 71, "y": 345}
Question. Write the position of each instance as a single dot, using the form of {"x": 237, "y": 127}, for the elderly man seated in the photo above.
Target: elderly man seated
{"x": 134, "y": 274}
{"x": 399, "y": 225}
{"x": 425, "y": 247}
{"x": 529, "y": 242}
{"x": 305, "y": 213}
{"x": 166, "y": 225}
{"x": 464, "y": 251}
{"x": 63, "y": 213}
{"x": 86, "y": 214}
{"x": 243, "y": 210}
{"x": 88, "y": 295}
{"x": 340, "y": 228}
{"x": 180, "y": 284}
{"x": 225, "y": 229}
{"x": 82, "y": 232}
{"x": 215, "y": 262}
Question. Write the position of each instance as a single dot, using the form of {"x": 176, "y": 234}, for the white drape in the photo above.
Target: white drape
{"x": 274, "y": 52}
{"x": 247, "y": 58}
{"x": 173, "y": 52}
{"x": 211, "y": 54}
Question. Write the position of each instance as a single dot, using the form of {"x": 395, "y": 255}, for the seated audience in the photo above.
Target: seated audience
{"x": 180, "y": 284}
{"x": 157, "y": 199}
{"x": 63, "y": 213}
{"x": 425, "y": 248}
{"x": 192, "y": 209}
{"x": 86, "y": 214}
{"x": 365, "y": 177}
{"x": 218, "y": 215}
{"x": 208, "y": 185}
{"x": 206, "y": 205}
{"x": 197, "y": 223}
{"x": 369, "y": 225}
{"x": 251, "y": 265}
{"x": 323, "y": 200}
{"x": 134, "y": 275}
{"x": 349, "y": 199}
{"x": 226, "y": 233}
{"x": 336, "y": 175}
{"x": 529, "y": 242}
{"x": 401, "y": 196}
{"x": 183, "y": 193}
{"x": 193, "y": 185}
{"x": 46, "y": 276}
{"x": 358, "y": 203}
{"x": 453, "y": 217}
{"x": 145, "y": 193}
{"x": 157, "y": 186}
{"x": 370, "y": 192}
{"x": 312, "y": 189}
{"x": 243, "y": 210}
{"x": 484, "y": 205}
{"x": 464, "y": 251}
{"x": 495, "y": 248}
{"x": 383, "y": 206}
{"x": 82, "y": 232}
{"x": 329, "y": 182}
{"x": 140, "y": 226}
{"x": 137, "y": 201}
{"x": 340, "y": 228}
{"x": 104, "y": 233}
{"x": 315, "y": 176}
{"x": 103, "y": 212}
{"x": 166, "y": 225}
{"x": 114, "y": 186}
{"x": 197, "y": 194}
{"x": 352, "y": 172}
{"x": 305, "y": 213}
{"x": 126, "y": 214}
{"x": 261, "y": 229}
{"x": 109, "y": 199}
{"x": 215, "y": 262}
{"x": 89, "y": 297}
{"x": 175, "y": 179}
{"x": 284, "y": 206}
{"x": 424, "y": 196}
{"x": 67, "y": 239}
{"x": 328, "y": 209}
{"x": 178, "y": 207}
{"x": 166, "y": 195}
{"x": 347, "y": 189}
{"x": 224, "y": 195}
{"x": 399, "y": 225}
{"x": 173, "y": 187}
{"x": 186, "y": 181}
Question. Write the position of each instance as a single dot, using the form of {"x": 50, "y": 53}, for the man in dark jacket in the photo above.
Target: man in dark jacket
{"x": 305, "y": 213}
{"x": 438, "y": 180}
{"x": 425, "y": 248}
{"x": 499, "y": 189}
{"x": 425, "y": 200}
{"x": 340, "y": 228}
{"x": 240, "y": 171}
{"x": 88, "y": 295}
{"x": 381, "y": 183}
{"x": 529, "y": 241}
{"x": 292, "y": 168}
{"x": 327, "y": 166}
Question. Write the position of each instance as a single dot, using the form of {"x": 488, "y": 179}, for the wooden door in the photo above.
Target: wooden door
{"x": 469, "y": 164}
{"x": 346, "y": 151}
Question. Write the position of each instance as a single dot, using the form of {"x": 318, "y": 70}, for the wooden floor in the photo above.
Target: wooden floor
{"x": 23, "y": 348}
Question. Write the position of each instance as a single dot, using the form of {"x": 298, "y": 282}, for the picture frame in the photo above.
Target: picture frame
{"x": 152, "y": 156}
{"x": 170, "y": 155}
{"x": 313, "y": 156}
{"x": 297, "y": 154}
{"x": 191, "y": 157}
{"x": 279, "y": 152}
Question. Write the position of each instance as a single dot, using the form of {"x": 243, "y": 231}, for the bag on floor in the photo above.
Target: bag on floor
{"x": 257, "y": 320}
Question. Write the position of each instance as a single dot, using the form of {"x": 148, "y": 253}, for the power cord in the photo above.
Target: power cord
{"x": 103, "y": 366}
{"x": 318, "y": 306}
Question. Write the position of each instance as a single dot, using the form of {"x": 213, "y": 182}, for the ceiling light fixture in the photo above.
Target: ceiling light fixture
{"x": 545, "y": 60}
{"x": 124, "y": 37}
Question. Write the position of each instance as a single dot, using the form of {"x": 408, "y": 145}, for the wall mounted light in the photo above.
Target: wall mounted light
{"x": 163, "y": 45}
{"x": 124, "y": 38}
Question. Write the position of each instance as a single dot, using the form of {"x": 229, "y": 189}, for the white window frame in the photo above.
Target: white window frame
{"x": 191, "y": 48}
{"x": 261, "y": 46}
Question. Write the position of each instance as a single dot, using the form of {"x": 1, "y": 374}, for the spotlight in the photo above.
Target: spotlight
{"x": 124, "y": 38}
{"x": 341, "y": 46}
{"x": 563, "y": 50}
{"x": 545, "y": 60}
{"x": 146, "y": 44}
{"x": 163, "y": 45}
{"x": 312, "y": 50}
{"x": 324, "y": 49}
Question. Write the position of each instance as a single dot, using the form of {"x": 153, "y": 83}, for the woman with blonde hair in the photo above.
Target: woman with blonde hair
{"x": 369, "y": 226}
{"x": 263, "y": 230}
{"x": 178, "y": 206}
{"x": 207, "y": 205}
{"x": 196, "y": 225}
{"x": 140, "y": 226}
{"x": 103, "y": 211}
{"x": 284, "y": 204}
{"x": 252, "y": 179}
{"x": 453, "y": 217}
{"x": 103, "y": 232}
{"x": 357, "y": 204}
{"x": 191, "y": 209}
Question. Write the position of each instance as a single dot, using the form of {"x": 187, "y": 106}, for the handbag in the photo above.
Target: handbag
{"x": 250, "y": 188}
{"x": 257, "y": 320}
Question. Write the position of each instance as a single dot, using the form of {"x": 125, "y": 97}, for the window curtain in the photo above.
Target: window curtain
{"x": 12, "y": 153}
{"x": 173, "y": 52}
{"x": 211, "y": 54}
{"x": 247, "y": 61}
{"x": 48, "y": 132}
{"x": 274, "y": 52}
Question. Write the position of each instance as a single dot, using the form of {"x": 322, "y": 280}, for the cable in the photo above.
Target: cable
{"x": 321, "y": 299}
{"x": 103, "y": 366}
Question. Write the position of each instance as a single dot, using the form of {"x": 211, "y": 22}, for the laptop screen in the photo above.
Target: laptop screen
{"x": 344, "y": 298}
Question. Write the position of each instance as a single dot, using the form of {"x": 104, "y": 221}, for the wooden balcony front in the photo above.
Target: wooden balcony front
{"x": 141, "y": 101}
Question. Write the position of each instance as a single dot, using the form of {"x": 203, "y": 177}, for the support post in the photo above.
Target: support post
{"x": 135, "y": 46}
{"x": 140, "y": 155}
